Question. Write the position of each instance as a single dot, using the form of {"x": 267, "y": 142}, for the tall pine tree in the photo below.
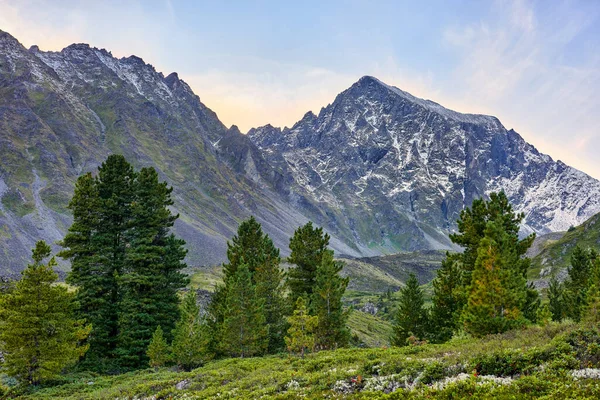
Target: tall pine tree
{"x": 150, "y": 277}
{"x": 326, "y": 304}
{"x": 125, "y": 263}
{"x": 40, "y": 334}
{"x": 411, "y": 318}
{"x": 308, "y": 245}
{"x": 90, "y": 271}
{"x": 508, "y": 250}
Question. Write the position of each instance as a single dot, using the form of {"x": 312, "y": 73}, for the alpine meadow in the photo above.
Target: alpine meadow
{"x": 384, "y": 247}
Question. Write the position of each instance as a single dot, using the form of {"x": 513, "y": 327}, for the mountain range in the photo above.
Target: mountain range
{"x": 381, "y": 170}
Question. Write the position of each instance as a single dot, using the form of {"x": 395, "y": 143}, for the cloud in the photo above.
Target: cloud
{"x": 517, "y": 68}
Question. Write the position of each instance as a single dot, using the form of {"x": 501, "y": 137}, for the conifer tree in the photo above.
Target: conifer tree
{"x": 326, "y": 304}
{"x": 556, "y": 301}
{"x": 308, "y": 245}
{"x": 411, "y": 318}
{"x": 498, "y": 289}
{"x": 89, "y": 270}
{"x": 445, "y": 312}
{"x": 191, "y": 340}
{"x": 508, "y": 251}
{"x": 269, "y": 278}
{"x": 244, "y": 332}
{"x": 158, "y": 349}
{"x": 150, "y": 276}
{"x": 126, "y": 263}
{"x": 96, "y": 246}
{"x": 254, "y": 248}
{"x": 40, "y": 334}
{"x": 300, "y": 335}
{"x": 578, "y": 281}
{"x": 472, "y": 225}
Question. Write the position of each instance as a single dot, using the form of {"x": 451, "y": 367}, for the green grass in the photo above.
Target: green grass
{"x": 532, "y": 363}
{"x": 370, "y": 329}
{"x": 206, "y": 278}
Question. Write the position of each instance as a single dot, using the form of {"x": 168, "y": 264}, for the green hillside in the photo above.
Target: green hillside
{"x": 540, "y": 362}
{"x": 555, "y": 255}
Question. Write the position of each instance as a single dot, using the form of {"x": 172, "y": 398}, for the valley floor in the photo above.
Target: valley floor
{"x": 555, "y": 361}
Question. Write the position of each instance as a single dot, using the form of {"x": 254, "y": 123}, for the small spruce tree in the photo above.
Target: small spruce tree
{"x": 191, "y": 339}
{"x": 158, "y": 350}
{"x": 498, "y": 289}
{"x": 411, "y": 318}
{"x": 300, "y": 335}
{"x": 445, "y": 312}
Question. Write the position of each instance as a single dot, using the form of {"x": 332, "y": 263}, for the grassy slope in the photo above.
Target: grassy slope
{"x": 370, "y": 329}
{"x": 556, "y": 254}
{"x": 366, "y": 373}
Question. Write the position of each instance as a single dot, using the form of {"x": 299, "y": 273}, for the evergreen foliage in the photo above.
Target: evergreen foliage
{"x": 307, "y": 245}
{"x": 445, "y": 312}
{"x": 556, "y": 300}
{"x": 411, "y": 317}
{"x": 497, "y": 291}
{"x": 326, "y": 304}
{"x": 578, "y": 282}
{"x": 269, "y": 289}
{"x": 250, "y": 246}
{"x": 244, "y": 331}
{"x": 255, "y": 249}
{"x": 190, "y": 346}
{"x": 494, "y": 256}
{"x": 151, "y": 275}
{"x": 300, "y": 335}
{"x": 39, "y": 333}
{"x": 158, "y": 350}
{"x": 125, "y": 263}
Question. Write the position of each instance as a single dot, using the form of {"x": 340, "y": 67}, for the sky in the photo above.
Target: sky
{"x": 533, "y": 64}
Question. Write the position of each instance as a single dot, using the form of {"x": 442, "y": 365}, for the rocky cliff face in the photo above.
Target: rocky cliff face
{"x": 381, "y": 170}
{"x": 393, "y": 171}
{"x": 62, "y": 113}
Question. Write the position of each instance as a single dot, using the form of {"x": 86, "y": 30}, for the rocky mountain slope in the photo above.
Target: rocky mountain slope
{"x": 381, "y": 170}
{"x": 62, "y": 113}
{"x": 391, "y": 171}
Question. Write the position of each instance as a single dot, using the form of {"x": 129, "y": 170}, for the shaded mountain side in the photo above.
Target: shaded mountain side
{"x": 62, "y": 113}
{"x": 392, "y": 171}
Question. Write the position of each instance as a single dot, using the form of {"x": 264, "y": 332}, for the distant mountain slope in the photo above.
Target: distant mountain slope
{"x": 62, "y": 113}
{"x": 392, "y": 172}
{"x": 555, "y": 256}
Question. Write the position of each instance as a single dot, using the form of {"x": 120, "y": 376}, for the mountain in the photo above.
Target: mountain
{"x": 390, "y": 171}
{"x": 381, "y": 170}
{"x": 62, "y": 113}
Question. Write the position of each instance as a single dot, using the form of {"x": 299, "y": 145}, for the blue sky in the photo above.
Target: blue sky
{"x": 533, "y": 64}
